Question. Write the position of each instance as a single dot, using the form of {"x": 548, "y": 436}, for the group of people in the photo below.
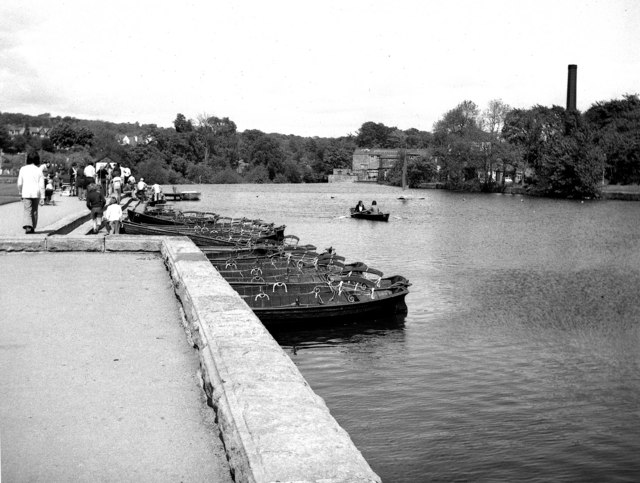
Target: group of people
{"x": 102, "y": 191}
{"x": 141, "y": 191}
{"x": 104, "y": 210}
{"x": 360, "y": 208}
{"x": 112, "y": 179}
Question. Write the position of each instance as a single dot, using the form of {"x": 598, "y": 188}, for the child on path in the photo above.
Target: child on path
{"x": 95, "y": 202}
{"x": 116, "y": 187}
{"x": 113, "y": 216}
{"x": 48, "y": 190}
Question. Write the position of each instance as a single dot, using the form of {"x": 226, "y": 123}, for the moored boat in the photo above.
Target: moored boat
{"x": 132, "y": 228}
{"x": 326, "y": 306}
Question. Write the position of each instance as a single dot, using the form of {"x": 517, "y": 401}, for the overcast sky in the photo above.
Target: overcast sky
{"x": 310, "y": 68}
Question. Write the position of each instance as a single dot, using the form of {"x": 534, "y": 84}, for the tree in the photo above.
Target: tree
{"x": 419, "y": 170}
{"x": 616, "y": 126}
{"x": 493, "y": 117}
{"x": 496, "y": 150}
{"x": 459, "y": 144}
{"x": 64, "y": 136}
{"x": 153, "y": 170}
{"x": 560, "y": 149}
{"x": 5, "y": 139}
{"x": 416, "y": 139}
{"x": 181, "y": 124}
{"x": 218, "y": 138}
{"x": 461, "y": 121}
{"x": 267, "y": 152}
{"x": 258, "y": 174}
{"x": 374, "y": 135}
{"x": 200, "y": 173}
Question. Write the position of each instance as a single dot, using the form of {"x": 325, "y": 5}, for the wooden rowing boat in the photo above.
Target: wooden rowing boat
{"x": 366, "y": 215}
{"x": 326, "y": 306}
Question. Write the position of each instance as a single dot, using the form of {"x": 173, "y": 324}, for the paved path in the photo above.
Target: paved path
{"x": 11, "y": 214}
{"x": 97, "y": 379}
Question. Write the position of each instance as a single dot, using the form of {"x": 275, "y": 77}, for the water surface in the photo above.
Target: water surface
{"x": 519, "y": 359}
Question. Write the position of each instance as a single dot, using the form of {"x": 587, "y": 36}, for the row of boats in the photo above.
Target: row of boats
{"x": 285, "y": 283}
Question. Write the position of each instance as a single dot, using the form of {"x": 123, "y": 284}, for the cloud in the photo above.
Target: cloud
{"x": 312, "y": 69}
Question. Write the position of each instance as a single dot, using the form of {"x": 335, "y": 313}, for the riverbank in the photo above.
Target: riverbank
{"x": 8, "y": 191}
{"x": 608, "y": 192}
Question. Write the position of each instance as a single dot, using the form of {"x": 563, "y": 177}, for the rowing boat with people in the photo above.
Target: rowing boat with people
{"x": 367, "y": 215}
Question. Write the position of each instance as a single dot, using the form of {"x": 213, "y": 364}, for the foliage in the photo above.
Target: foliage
{"x": 258, "y": 174}
{"x": 460, "y": 121}
{"x": 201, "y": 173}
{"x": 217, "y": 138}
{"x": 182, "y": 125}
{"x": 559, "y": 148}
{"x": 377, "y": 135}
{"x": 64, "y": 136}
{"x": 5, "y": 139}
{"x": 266, "y": 152}
{"x": 616, "y": 127}
{"x": 374, "y": 135}
{"x": 227, "y": 176}
{"x": 458, "y": 143}
{"x": 564, "y": 155}
{"x": 153, "y": 170}
{"x": 419, "y": 170}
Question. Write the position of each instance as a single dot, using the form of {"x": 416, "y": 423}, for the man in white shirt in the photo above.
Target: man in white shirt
{"x": 142, "y": 190}
{"x": 31, "y": 188}
{"x": 90, "y": 173}
{"x": 157, "y": 192}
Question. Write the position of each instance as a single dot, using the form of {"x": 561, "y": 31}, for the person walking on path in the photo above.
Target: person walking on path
{"x": 73, "y": 175}
{"x": 89, "y": 174}
{"x": 142, "y": 190}
{"x": 116, "y": 187}
{"x": 81, "y": 188}
{"x": 31, "y": 188}
{"x": 95, "y": 202}
{"x": 113, "y": 216}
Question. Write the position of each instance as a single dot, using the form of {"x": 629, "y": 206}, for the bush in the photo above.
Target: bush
{"x": 153, "y": 171}
{"x": 227, "y": 176}
{"x": 257, "y": 174}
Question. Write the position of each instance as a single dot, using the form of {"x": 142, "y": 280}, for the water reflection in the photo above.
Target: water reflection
{"x": 296, "y": 341}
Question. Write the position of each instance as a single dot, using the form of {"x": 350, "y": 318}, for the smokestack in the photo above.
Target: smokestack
{"x": 571, "y": 87}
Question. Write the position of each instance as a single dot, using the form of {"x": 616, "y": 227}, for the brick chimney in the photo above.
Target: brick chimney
{"x": 571, "y": 87}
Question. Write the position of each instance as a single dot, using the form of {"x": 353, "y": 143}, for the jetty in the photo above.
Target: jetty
{"x": 130, "y": 358}
{"x": 188, "y": 195}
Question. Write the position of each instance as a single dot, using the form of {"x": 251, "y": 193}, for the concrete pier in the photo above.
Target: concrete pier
{"x": 97, "y": 378}
{"x": 114, "y": 392}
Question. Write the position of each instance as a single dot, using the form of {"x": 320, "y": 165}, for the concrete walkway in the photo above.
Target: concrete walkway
{"x": 97, "y": 379}
{"x": 11, "y": 214}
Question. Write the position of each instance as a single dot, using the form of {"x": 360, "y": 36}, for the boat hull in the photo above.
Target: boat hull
{"x": 303, "y": 316}
{"x": 363, "y": 215}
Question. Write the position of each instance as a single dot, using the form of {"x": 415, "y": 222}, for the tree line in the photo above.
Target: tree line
{"x": 552, "y": 151}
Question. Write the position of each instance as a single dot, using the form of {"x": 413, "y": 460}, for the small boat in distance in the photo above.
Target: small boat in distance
{"x": 367, "y": 215}
{"x": 189, "y": 195}
{"x": 176, "y": 195}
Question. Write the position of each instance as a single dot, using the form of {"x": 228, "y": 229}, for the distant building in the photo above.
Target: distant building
{"x": 39, "y": 131}
{"x": 132, "y": 139}
{"x": 374, "y": 164}
{"x": 342, "y": 175}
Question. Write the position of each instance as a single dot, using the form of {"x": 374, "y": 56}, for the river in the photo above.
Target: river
{"x": 519, "y": 358}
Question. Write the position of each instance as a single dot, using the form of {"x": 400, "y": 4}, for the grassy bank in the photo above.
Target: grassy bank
{"x": 9, "y": 192}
